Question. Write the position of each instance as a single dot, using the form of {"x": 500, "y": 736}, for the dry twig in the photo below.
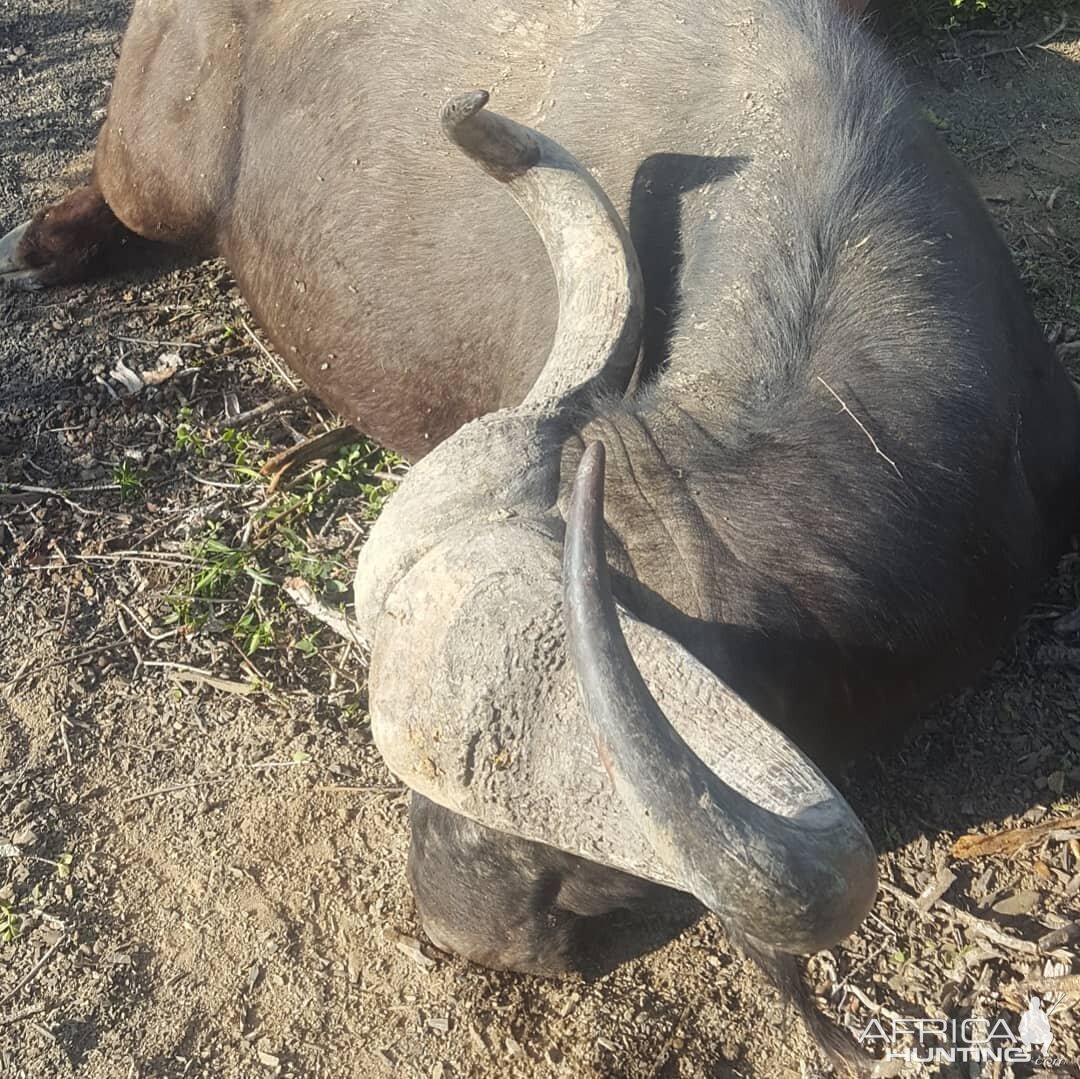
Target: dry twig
{"x": 1011, "y": 840}
{"x": 267, "y": 407}
{"x": 976, "y": 925}
{"x": 271, "y": 358}
{"x": 34, "y": 971}
{"x": 1037, "y": 44}
{"x": 311, "y": 449}
{"x": 172, "y": 788}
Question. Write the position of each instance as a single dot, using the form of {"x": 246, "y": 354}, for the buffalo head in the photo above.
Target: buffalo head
{"x": 506, "y": 682}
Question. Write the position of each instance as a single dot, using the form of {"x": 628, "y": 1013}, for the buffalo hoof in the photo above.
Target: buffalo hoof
{"x": 13, "y": 270}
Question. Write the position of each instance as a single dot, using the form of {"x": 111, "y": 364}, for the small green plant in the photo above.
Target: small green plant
{"x": 63, "y": 866}
{"x": 221, "y": 567}
{"x": 309, "y": 645}
{"x": 253, "y": 630}
{"x": 239, "y": 445}
{"x": 129, "y": 480}
{"x": 224, "y": 590}
{"x": 187, "y": 437}
{"x": 10, "y": 922}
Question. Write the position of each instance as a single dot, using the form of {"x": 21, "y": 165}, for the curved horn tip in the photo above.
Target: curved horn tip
{"x": 591, "y": 468}
{"x": 585, "y": 521}
{"x": 499, "y": 146}
{"x": 462, "y": 107}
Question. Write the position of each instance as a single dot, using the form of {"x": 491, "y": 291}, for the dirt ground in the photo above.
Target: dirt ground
{"x": 201, "y": 855}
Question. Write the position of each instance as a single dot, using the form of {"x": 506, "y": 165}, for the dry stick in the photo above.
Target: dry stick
{"x": 976, "y": 925}
{"x": 62, "y": 725}
{"x": 157, "y": 344}
{"x": 1054, "y": 153}
{"x": 1065, "y": 983}
{"x": 1045, "y": 39}
{"x": 267, "y": 407}
{"x": 127, "y": 637}
{"x": 339, "y": 788}
{"x": 173, "y": 788}
{"x": 91, "y": 489}
{"x": 274, "y": 362}
{"x": 13, "y": 681}
{"x": 862, "y": 427}
{"x": 67, "y": 612}
{"x": 35, "y": 970}
{"x": 661, "y": 1058}
{"x": 180, "y": 673}
{"x": 871, "y": 1005}
{"x": 26, "y": 1013}
{"x": 155, "y": 637}
{"x": 301, "y": 594}
{"x": 321, "y": 445}
{"x": 1058, "y": 938}
{"x": 51, "y": 492}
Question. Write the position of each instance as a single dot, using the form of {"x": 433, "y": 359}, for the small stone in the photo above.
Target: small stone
{"x": 24, "y": 837}
{"x": 269, "y": 1060}
{"x": 1016, "y": 904}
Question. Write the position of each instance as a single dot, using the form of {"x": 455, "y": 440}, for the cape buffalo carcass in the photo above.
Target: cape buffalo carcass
{"x": 848, "y": 465}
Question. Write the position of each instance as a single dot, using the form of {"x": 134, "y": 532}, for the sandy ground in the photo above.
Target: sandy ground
{"x": 198, "y": 881}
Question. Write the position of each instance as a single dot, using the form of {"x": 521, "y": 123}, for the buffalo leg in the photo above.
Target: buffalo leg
{"x": 61, "y": 243}
{"x": 509, "y": 903}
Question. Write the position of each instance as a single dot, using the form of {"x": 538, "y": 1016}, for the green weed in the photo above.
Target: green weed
{"x": 129, "y": 480}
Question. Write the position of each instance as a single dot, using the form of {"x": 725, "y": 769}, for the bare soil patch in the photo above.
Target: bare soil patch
{"x": 201, "y": 854}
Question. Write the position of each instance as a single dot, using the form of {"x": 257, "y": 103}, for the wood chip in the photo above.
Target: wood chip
{"x": 935, "y": 889}
{"x": 1009, "y": 841}
{"x": 410, "y": 947}
{"x": 1058, "y": 938}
